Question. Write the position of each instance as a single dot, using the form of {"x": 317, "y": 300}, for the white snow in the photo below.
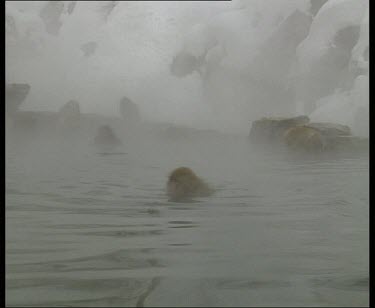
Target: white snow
{"x": 138, "y": 41}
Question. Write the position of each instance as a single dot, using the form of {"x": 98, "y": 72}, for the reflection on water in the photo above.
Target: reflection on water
{"x": 96, "y": 229}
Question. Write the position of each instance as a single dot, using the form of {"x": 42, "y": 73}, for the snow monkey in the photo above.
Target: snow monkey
{"x": 184, "y": 184}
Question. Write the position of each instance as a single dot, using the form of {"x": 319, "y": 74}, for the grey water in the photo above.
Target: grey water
{"x": 91, "y": 228}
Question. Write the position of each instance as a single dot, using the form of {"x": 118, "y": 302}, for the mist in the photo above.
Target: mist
{"x": 261, "y": 57}
{"x": 263, "y": 104}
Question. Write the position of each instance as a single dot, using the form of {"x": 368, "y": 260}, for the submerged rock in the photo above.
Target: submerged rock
{"x": 271, "y": 130}
{"x": 15, "y": 94}
{"x": 106, "y": 138}
{"x": 184, "y": 184}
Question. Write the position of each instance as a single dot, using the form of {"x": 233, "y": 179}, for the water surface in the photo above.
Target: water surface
{"x": 87, "y": 228}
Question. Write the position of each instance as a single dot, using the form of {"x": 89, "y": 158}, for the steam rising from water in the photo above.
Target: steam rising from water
{"x": 91, "y": 226}
{"x": 256, "y": 64}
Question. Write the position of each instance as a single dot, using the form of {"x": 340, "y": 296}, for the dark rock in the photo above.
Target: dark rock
{"x": 271, "y": 130}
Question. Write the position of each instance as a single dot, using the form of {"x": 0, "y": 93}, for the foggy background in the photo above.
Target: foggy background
{"x": 88, "y": 225}
{"x": 260, "y": 58}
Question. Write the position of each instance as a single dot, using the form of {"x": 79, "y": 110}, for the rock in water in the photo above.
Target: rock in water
{"x": 15, "y": 94}
{"x": 324, "y": 137}
{"x": 184, "y": 184}
{"x": 271, "y": 130}
{"x": 299, "y": 135}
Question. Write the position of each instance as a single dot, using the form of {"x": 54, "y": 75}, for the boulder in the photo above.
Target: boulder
{"x": 271, "y": 130}
{"x": 298, "y": 134}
